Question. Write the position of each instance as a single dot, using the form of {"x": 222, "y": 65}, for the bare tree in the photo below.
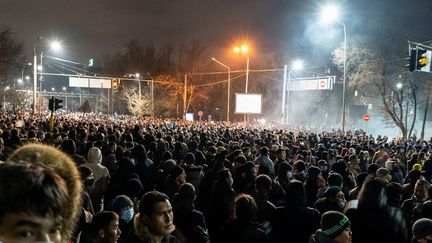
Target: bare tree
{"x": 138, "y": 106}
{"x": 373, "y": 66}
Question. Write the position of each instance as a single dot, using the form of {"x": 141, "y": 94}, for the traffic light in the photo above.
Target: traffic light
{"x": 57, "y": 103}
{"x": 51, "y": 104}
{"x": 423, "y": 60}
{"x": 114, "y": 83}
{"x": 54, "y": 104}
{"x": 412, "y": 60}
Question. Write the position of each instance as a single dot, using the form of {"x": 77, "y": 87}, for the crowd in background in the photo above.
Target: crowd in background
{"x": 156, "y": 180}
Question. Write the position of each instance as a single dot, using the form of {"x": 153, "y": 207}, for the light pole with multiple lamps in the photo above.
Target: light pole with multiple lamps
{"x": 229, "y": 88}
{"x": 330, "y": 14}
{"x": 244, "y": 49}
{"x": 54, "y": 45}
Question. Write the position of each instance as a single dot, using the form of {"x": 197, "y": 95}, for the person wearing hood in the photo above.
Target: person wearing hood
{"x": 145, "y": 167}
{"x": 101, "y": 177}
{"x": 61, "y": 164}
{"x": 335, "y": 228}
{"x": 69, "y": 147}
{"x": 124, "y": 207}
{"x": 194, "y": 174}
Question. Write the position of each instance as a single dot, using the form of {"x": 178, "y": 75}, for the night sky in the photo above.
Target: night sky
{"x": 93, "y": 28}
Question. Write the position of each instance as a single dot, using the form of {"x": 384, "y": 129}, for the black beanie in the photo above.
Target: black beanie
{"x": 333, "y": 223}
{"x": 422, "y": 228}
{"x": 313, "y": 172}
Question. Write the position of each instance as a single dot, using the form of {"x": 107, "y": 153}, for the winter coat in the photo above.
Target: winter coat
{"x": 320, "y": 237}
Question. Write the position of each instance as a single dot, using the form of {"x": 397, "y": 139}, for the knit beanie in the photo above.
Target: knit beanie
{"x": 189, "y": 158}
{"x": 333, "y": 223}
{"x": 84, "y": 171}
{"x": 332, "y": 191}
{"x": 372, "y": 168}
{"x": 121, "y": 202}
{"x": 417, "y": 167}
{"x": 313, "y": 171}
{"x": 422, "y": 228}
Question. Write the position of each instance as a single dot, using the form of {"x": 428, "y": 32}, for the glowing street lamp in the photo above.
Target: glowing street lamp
{"x": 137, "y": 76}
{"x": 399, "y": 85}
{"x": 331, "y": 14}
{"x": 55, "y": 45}
{"x": 244, "y": 49}
{"x": 296, "y": 65}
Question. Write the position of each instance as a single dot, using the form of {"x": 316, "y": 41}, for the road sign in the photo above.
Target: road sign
{"x": 313, "y": 83}
{"x": 366, "y": 117}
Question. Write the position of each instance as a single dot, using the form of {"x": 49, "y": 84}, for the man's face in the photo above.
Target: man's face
{"x": 112, "y": 233}
{"x": 26, "y": 227}
{"x": 161, "y": 220}
{"x": 420, "y": 191}
{"x": 281, "y": 155}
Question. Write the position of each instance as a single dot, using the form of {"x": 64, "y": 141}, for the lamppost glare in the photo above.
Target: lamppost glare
{"x": 330, "y": 14}
{"x": 55, "y": 45}
{"x": 399, "y": 85}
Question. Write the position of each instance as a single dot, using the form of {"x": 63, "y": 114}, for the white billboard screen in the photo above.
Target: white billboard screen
{"x": 248, "y": 103}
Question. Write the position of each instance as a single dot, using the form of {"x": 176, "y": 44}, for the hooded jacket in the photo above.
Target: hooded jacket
{"x": 94, "y": 162}
{"x": 65, "y": 168}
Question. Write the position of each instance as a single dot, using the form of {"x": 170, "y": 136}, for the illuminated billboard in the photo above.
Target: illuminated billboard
{"x": 248, "y": 103}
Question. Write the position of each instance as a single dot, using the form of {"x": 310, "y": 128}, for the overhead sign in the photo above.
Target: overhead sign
{"x": 315, "y": 83}
{"x": 90, "y": 82}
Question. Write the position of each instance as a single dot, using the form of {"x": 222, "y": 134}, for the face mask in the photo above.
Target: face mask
{"x": 289, "y": 174}
{"x": 342, "y": 204}
{"x": 88, "y": 183}
{"x": 127, "y": 215}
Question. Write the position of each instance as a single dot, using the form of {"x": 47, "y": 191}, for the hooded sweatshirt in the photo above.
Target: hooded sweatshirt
{"x": 94, "y": 160}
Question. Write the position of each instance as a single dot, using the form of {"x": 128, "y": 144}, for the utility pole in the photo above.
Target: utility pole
{"x": 185, "y": 97}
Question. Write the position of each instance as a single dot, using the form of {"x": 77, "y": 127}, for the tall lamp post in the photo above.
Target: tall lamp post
{"x": 35, "y": 75}
{"x": 137, "y": 76}
{"x": 286, "y": 90}
{"x": 151, "y": 94}
{"x": 244, "y": 49}
{"x": 55, "y": 45}
{"x": 229, "y": 88}
{"x": 330, "y": 14}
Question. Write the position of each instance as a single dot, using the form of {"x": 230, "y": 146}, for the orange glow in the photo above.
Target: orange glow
{"x": 244, "y": 48}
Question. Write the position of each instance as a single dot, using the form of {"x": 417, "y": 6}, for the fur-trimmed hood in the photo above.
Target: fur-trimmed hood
{"x": 65, "y": 168}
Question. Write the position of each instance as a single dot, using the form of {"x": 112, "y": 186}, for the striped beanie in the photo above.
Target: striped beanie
{"x": 333, "y": 223}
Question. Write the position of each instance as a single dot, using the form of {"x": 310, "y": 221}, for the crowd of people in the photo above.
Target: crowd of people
{"x": 100, "y": 178}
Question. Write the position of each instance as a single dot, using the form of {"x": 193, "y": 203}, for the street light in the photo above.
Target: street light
{"x": 330, "y": 14}
{"x": 399, "y": 85}
{"x": 137, "y": 76}
{"x": 296, "y": 65}
{"x": 55, "y": 45}
{"x": 244, "y": 49}
{"x": 229, "y": 87}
